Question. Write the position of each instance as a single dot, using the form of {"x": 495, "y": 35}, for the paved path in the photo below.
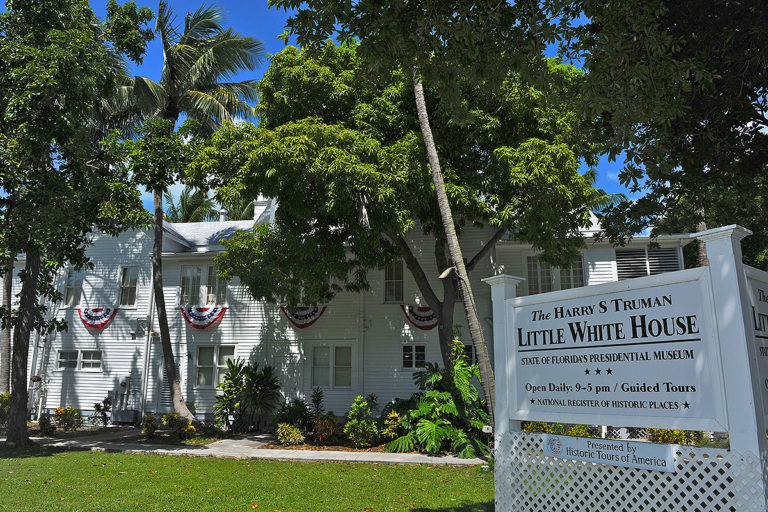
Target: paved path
{"x": 243, "y": 447}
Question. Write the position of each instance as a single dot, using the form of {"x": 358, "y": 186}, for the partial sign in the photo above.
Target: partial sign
{"x": 634, "y": 353}
{"x": 757, "y": 286}
{"x": 628, "y": 454}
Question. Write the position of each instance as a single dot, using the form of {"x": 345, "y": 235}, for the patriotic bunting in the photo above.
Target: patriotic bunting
{"x": 303, "y": 317}
{"x": 200, "y": 318}
{"x": 421, "y": 318}
{"x": 96, "y": 318}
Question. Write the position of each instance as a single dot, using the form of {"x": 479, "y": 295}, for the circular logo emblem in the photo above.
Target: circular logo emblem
{"x": 555, "y": 446}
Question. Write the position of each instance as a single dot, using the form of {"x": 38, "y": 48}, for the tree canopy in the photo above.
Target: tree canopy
{"x": 344, "y": 159}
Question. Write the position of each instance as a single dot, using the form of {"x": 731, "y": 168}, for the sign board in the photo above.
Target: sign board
{"x": 628, "y": 454}
{"x": 757, "y": 288}
{"x": 638, "y": 353}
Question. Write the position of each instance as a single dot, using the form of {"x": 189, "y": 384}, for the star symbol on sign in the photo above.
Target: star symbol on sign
{"x": 533, "y": 401}
{"x": 686, "y": 405}
{"x": 586, "y": 372}
{"x": 597, "y": 371}
{"x": 609, "y": 371}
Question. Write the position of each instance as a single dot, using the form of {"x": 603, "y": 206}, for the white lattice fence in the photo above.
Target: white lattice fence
{"x": 706, "y": 479}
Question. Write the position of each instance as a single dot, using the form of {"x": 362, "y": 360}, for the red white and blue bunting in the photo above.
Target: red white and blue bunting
{"x": 420, "y": 317}
{"x": 303, "y": 317}
{"x": 96, "y": 318}
{"x": 200, "y": 318}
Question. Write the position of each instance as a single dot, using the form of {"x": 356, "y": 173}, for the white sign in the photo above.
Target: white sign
{"x": 757, "y": 285}
{"x": 629, "y": 454}
{"x": 633, "y": 353}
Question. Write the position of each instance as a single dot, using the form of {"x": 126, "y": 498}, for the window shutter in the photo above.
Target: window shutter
{"x": 663, "y": 260}
{"x": 631, "y": 263}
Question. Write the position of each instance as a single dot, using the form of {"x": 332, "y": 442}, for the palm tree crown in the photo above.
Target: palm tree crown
{"x": 193, "y": 206}
{"x": 200, "y": 59}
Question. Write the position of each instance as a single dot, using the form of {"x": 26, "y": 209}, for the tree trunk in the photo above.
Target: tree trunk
{"x": 172, "y": 375}
{"x": 5, "y": 332}
{"x": 475, "y": 330}
{"x": 17, "y": 423}
{"x": 701, "y": 225}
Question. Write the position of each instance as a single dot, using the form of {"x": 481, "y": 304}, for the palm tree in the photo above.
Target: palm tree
{"x": 193, "y": 206}
{"x": 200, "y": 58}
{"x": 239, "y": 209}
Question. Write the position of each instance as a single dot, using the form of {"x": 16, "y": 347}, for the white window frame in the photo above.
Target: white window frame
{"x": 207, "y": 271}
{"x": 412, "y": 348}
{"x": 120, "y": 287}
{"x": 217, "y": 366}
{"x": 76, "y": 289}
{"x": 79, "y": 360}
{"x": 397, "y": 282}
{"x": 332, "y": 366}
{"x": 555, "y": 277}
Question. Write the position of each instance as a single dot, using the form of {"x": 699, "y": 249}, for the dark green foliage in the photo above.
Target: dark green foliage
{"x": 46, "y": 425}
{"x": 148, "y": 426}
{"x": 193, "y": 206}
{"x": 101, "y": 411}
{"x": 296, "y": 412}
{"x": 179, "y": 427}
{"x": 448, "y": 415}
{"x": 671, "y": 436}
{"x": 248, "y": 394}
{"x": 5, "y": 409}
{"x": 317, "y": 401}
{"x": 360, "y": 426}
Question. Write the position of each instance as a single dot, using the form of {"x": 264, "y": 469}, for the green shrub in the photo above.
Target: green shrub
{"x": 669, "y": 436}
{"x": 361, "y": 427}
{"x": 179, "y": 427}
{"x": 449, "y": 415}
{"x": 46, "y": 425}
{"x": 327, "y": 428}
{"x": 289, "y": 434}
{"x": 317, "y": 401}
{"x": 535, "y": 426}
{"x": 296, "y": 413}
{"x": 5, "y": 409}
{"x": 580, "y": 431}
{"x": 560, "y": 429}
{"x": 101, "y": 411}
{"x": 248, "y": 394}
{"x": 149, "y": 426}
{"x": 392, "y": 426}
{"x": 68, "y": 418}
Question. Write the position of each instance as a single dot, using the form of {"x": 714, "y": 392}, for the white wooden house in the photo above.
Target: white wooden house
{"x": 362, "y": 343}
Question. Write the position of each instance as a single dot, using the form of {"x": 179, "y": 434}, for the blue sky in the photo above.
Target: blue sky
{"x": 254, "y": 18}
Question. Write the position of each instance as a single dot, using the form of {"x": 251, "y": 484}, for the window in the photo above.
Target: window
{"x": 194, "y": 292}
{"x": 543, "y": 278}
{"x": 539, "y": 276}
{"x": 393, "y": 282}
{"x": 74, "y": 287}
{"x": 414, "y": 356}
{"x": 67, "y": 359}
{"x": 332, "y": 366}
{"x": 631, "y": 263}
{"x": 128, "y": 286}
{"x": 212, "y": 364}
{"x": 88, "y": 360}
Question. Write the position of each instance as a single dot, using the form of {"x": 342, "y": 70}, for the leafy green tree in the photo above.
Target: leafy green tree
{"x": 343, "y": 158}
{"x": 58, "y": 66}
{"x": 680, "y": 87}
{"x": 199, "y": 59}
{"x": 193, "y": 206}
{"x": 442, "y": 43}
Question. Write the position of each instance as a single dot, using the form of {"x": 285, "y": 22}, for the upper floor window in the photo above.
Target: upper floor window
{"x": 73, "y": 288}
{"x": 632, "y": 263}
{"x": 128, "y": 279}
{"x": 393, "y": 282}
{"x": 88, "y": 360}
{"x": 195, "y": 291}
{"x": 543, "y": 277}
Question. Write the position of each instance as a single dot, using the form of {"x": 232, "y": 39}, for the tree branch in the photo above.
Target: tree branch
{"x": 415, "y": 267}
{"x": 485, "y": 249}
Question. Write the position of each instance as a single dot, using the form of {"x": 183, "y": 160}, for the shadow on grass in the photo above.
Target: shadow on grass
{"x": 486, "y": 506}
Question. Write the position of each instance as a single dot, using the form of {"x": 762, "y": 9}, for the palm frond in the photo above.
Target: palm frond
{"x": 202, "y": 24}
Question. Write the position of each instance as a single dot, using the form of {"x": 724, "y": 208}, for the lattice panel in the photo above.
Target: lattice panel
{"x": 707, "y": 479}
{"x": 631, "y": 433}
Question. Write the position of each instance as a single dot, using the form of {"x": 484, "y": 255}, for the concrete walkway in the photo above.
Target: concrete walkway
{"x": 243, "y": 447}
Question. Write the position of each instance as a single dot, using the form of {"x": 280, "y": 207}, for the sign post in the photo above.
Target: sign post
{"x": 683, "y": 350}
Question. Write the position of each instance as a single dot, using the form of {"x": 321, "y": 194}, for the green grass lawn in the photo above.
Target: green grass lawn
{"x": 51, "y": 480}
